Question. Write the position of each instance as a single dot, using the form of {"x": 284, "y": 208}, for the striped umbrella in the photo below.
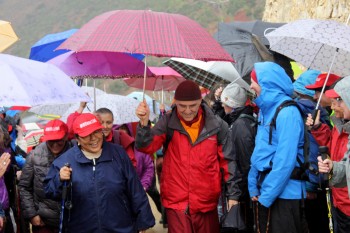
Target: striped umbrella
{"x": 147, "y": 32}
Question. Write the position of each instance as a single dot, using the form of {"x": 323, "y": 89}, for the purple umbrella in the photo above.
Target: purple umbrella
{"x": 100, "y": 65}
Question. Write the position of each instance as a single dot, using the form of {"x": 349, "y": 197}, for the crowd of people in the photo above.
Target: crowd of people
{"x": 257, "y": 155}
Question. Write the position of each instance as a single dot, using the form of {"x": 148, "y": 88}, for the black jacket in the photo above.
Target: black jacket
{"x": 243, "y": 130}
{"x": 33, "y": 199}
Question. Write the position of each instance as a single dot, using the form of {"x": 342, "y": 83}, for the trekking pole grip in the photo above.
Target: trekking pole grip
{"x": 64, "y": 188}
{"x": 323, "y": 150}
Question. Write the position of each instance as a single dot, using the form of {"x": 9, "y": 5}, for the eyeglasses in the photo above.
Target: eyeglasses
{"x": 93, "y": 134}
{"x": 338, "y": 99}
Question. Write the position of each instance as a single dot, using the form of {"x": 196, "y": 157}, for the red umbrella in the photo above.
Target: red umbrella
{"x": 164, "y": 79}
{"x": 147, "y": 32}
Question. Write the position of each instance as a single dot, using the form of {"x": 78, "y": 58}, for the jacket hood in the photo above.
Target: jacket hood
{"x": 342, "y": 88}
{"x": 275, "y": 84}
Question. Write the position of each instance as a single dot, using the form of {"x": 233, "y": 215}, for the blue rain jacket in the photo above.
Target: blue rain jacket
{"x": 287, "y": 139}
{"x": 106, "y": 197}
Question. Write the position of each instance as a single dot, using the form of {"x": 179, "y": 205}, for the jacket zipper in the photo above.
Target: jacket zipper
{"x": 93, "y": 168}
{"x": 97, "y": 208}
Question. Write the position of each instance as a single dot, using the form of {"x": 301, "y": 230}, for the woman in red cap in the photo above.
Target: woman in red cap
{"x": 105, "y": 193}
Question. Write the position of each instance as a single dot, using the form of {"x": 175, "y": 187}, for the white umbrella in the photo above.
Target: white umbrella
{"x": 122, "y": 107}
{"x": 59, "y": 109}
{"x": 207, "y": 74}
{"x": 26, "y": 82}
{"x": 316, "y": 44}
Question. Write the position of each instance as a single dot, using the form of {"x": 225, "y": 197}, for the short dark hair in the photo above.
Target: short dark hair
{"x": 105, "y": 111}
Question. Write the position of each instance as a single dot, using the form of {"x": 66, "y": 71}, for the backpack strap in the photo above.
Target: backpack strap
{"x": 274, "y": 119}
{"x": 298, "y": 173}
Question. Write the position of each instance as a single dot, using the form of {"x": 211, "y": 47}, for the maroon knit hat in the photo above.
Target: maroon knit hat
{"x": 187, "y": 91}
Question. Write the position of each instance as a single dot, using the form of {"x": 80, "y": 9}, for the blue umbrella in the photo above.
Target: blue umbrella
{"x": 44, "y": 49}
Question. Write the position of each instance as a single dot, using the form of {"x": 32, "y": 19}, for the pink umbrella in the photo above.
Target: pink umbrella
{"x": 164, "y": 79}
{"x": 148, "y": 32}
{"x": 99, "y": 65}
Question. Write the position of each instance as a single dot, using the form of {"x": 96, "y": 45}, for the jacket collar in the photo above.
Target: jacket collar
{"x": 105, "y": 156}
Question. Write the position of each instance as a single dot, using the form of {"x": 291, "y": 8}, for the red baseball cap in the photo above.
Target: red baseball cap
{"x": 55, "y": 130}
{"x": 86, "y": 124}
{"x": 332, "y": 94}
{"x": 321, "y": 78}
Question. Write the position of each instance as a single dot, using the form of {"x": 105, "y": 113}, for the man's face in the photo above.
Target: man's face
{"x": 255, "y": 87}
{"x": 338, "y": 110}
{"x": 188, "y": 109}
{"x": 345, "y": 109}
{"x": 56, "y": 146}
{"x": 325, "y": 101}
{"x": 106, "y": 121}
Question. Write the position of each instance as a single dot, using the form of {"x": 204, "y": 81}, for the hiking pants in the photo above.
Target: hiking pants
{"x": 181, "y": 222}
{"x": 343, "y": 221}
{"x": 285, "y": 216}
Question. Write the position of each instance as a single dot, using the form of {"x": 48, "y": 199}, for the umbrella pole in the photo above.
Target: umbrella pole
{"x": 94, "y": 95}
{"x": 162, "y": 90}
{"x": 325, "y": 82}
{"x": 144, "y": 79}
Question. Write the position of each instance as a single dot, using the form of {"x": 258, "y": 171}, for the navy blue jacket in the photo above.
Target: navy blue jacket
{"x": 107, "y": 197}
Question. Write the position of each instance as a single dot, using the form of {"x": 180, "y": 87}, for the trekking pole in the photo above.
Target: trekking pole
{"x": 253, "y": 203}
{"x": 323, "y": 150}
{"x": 63, "y": 201}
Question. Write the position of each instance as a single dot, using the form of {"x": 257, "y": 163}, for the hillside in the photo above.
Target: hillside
{"x": 34, "y": 19}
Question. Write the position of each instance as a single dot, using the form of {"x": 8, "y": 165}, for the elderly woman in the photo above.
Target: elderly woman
{"x": 106, "y": 193}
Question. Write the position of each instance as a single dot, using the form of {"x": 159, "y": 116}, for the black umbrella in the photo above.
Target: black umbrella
{"x": 258, "y": 28}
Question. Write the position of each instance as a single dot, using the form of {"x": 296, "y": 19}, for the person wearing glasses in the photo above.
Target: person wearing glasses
{"x": 43, "y": 213}
{"x": 105, "y": 191}
{"x": 338, "y": 165}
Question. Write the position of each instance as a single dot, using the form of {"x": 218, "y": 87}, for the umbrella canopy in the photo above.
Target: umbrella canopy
{"x": 314, "y": 44}
{"x": 123, "y": 108}
{"x": 148, "y": 32}
{"x": 44, "y": 49}
{"x": 99, "y": 65}
{"x": 7, "y": 35}
{"x": 59, "y": 109}
{"x": 257, "y": 27}
{"x": 165, "y": 79}
{"x": 206, "y": 74}
{"x": 240, "y": 46}
{"x": 29, "y": 83}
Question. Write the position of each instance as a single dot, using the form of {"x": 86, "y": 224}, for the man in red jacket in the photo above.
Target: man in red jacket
{"x": 197, "y": 147}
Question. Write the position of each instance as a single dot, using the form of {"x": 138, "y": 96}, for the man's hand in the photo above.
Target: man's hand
{"x": 310, "y": 121}
{"x": 324, "y": 166}
{"x": 142, "y": 112}
{"x": 255, "y": 198}
{"x": 231, "y": 203}
{"x": 81, "y": 107}
{"x": 65, "y": 173}
{"x": 5, "y": 161}
{"x": 36, "y": 221}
